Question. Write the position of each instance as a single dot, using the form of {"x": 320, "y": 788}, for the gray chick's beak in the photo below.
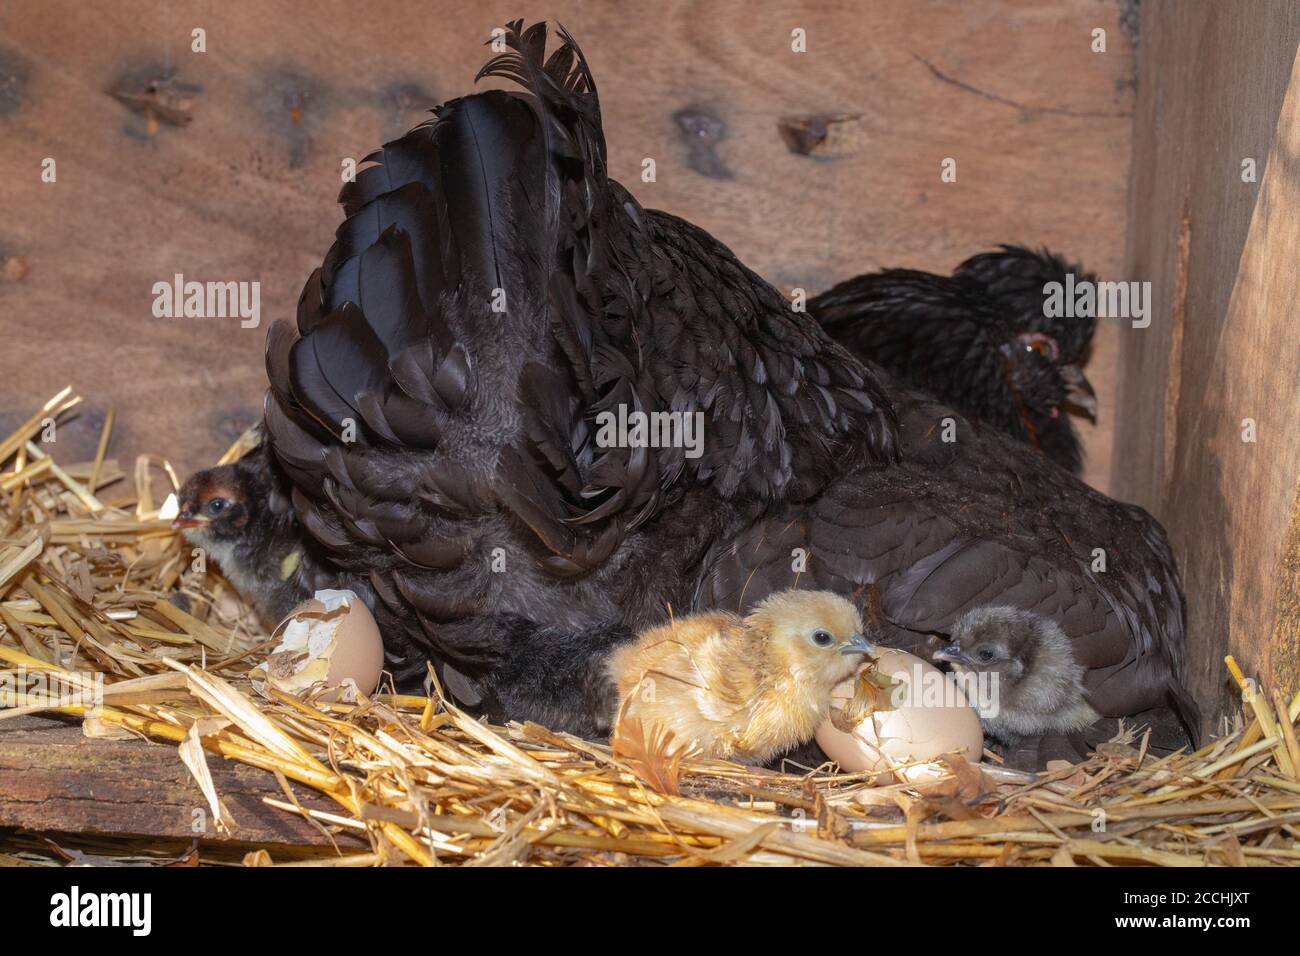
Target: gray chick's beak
{"x": 1078, "y": 391}
{"x": 857, "y": 644}
{"x": 951, "y": 653}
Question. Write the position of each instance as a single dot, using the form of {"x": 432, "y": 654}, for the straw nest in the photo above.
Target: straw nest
{"x": 89, "y": 583}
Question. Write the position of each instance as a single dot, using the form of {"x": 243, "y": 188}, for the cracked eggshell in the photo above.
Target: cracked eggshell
{"x": 932, "y": 718}
{"x": 328, "y": 640}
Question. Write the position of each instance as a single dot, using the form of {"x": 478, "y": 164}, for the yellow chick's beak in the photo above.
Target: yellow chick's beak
{"x": 857, "y": 644}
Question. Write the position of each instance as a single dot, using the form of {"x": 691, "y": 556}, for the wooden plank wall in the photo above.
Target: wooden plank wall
{"x": 1219, "y": 83}
{"x": 244, "y": 189}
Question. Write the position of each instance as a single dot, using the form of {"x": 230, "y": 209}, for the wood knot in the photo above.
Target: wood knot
{"x": 702, "y": 130}
{"x": 13, "y": 81}
{"x": 158, "y": 96}
{"x": 814, "y": 135}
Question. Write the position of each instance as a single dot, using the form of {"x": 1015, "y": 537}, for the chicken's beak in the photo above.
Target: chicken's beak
{"x": 857, "y": 644}
{"x": 186, "y": 520}
{"x": 1078, "y": 391}
{"x": 951, "y": 653}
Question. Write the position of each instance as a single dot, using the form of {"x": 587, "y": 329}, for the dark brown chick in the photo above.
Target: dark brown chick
{"x": 1039, "y": 686}
{"x": 229, "y": 511}
{"x": 743, "y": 689}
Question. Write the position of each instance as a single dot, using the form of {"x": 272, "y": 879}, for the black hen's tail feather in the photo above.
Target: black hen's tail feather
{"x": 579, "y": 500}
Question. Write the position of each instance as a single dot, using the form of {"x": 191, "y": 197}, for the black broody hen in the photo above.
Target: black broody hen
{"x": 492, "y": 294}
{"x": 981, "y": 340}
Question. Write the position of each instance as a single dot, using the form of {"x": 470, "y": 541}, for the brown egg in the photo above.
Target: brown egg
{"x": 325, "y": 641}
{"x": 898, "y": 710}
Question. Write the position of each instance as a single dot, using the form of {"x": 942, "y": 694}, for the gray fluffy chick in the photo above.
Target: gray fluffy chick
{"x": 1039, "y": 687}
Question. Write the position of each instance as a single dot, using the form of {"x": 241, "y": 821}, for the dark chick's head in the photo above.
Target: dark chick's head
{"x": 1003, "y": 640}
{"x": 216, "y": 505}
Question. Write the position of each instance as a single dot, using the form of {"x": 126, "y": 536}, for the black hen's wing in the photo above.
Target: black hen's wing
{"x": 981, "y": 521}
{"x": 782, "y": 403}
{"x": 394, "y": 400}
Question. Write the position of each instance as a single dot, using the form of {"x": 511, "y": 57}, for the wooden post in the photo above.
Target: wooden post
{"x": 52, "y": 778}
{"x": 1209, "y": 395}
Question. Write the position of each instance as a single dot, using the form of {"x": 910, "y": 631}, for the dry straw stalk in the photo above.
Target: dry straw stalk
{"x": 92, "y": 582}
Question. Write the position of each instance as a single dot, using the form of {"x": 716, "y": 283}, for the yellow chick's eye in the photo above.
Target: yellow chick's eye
{"x": 822, "y": 638}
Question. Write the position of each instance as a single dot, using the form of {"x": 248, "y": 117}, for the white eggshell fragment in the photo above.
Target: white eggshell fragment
{"x": 930, "y": 717}
{"x": 330, "y": 640}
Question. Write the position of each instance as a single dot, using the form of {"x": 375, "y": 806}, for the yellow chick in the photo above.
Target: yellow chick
{"x": 743, "y": 689}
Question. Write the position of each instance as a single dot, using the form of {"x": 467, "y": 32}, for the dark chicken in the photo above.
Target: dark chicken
{"x": 239, "y": 516}
{"x": 492, "y": 295}
{"x": 1039, "y": 690}
{"x": 980, "y": 340}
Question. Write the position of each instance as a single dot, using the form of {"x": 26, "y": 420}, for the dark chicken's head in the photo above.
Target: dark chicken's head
{"x": 1044, "y": 380}
{"x": 1006, "y": 641}
{"x": 241, "y": 519}
{"x": 1046, "y": 349}
{"x": 216, "y": 505}
{"x": 1041, "y": 386}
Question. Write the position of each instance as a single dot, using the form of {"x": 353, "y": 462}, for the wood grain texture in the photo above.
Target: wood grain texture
{"x": 1040, "y": 127}
{"x": 1217, "y": 87}
{"x": 54, "y": 778}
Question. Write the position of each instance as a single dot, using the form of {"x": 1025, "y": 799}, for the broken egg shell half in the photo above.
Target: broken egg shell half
{"x": 932, "y": 718}
{"x": 326, "y": 640}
